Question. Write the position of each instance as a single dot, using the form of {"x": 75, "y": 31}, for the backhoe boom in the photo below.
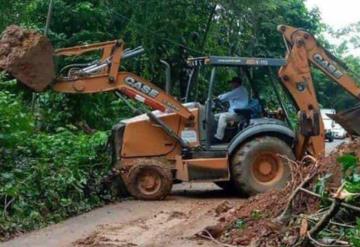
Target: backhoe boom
{"x": 105, "y": 76}
{"x": 296, "y": 76}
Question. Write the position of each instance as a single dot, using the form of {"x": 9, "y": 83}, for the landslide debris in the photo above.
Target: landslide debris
{"x": 259, "y": 222}
{"x": 28, "y": 56}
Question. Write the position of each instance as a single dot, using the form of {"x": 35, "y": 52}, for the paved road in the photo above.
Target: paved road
{"x": 139, "y": 223}
{"x": 330, "y": 146}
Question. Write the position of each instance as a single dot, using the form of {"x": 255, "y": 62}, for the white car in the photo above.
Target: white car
{"x": 329, "y": 124}
{"x": 332, "y": 129}
{"x": 338, "y": 131}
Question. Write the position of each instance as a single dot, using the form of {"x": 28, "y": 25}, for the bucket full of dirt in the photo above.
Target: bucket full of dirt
{"x": 28, "y": 56}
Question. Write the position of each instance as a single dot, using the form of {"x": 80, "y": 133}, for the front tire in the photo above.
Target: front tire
{"x": 256, "y": 166}
{"x": 149, "y": 181}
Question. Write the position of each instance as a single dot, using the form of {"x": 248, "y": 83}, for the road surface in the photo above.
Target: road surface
{"x": 187, "y": 211}
{"x": 140, "y": 223}
{"x": 332, "y": 145}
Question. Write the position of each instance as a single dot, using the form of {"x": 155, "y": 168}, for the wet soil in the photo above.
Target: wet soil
{"x": 255, "y": 222}
{"x": 28, "y": 56}
{"x": 176, "y": 221}
{"x": 171, "y": 222}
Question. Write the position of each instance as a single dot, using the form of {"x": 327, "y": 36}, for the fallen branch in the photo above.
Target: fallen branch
{"x": 314, "y": 218}
{"x": 343, "y": 204}
{"x": 285, "y": 214}
{"x": 341, "y": 224}
{"x": 325, "y": 219}
{"x": 287, "y": 211}
{"x": 208, "y": 236}
{"x": 325, "y": 245}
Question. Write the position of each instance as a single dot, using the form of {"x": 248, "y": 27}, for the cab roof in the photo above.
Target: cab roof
{"x": 235, "y": 61}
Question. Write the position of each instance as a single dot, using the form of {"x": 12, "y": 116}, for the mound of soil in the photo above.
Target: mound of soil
{"x": 351, "y": 147}
{"x": 255, "y": 222}
{"x": 28, "y": 56}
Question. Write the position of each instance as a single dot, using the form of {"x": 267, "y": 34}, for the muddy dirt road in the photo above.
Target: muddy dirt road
{"x": 172, "y": 222}
{"x": 137, "y": 223}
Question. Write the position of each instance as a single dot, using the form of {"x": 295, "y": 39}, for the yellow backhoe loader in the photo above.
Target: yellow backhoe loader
{"x": 173, "y": 142}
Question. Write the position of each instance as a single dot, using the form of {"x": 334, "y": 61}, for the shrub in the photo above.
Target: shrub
{"x": 44, "y": 177}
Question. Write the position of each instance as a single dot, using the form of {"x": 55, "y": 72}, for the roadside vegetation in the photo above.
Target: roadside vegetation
{"x": 46, "y": 176}
{"x": 53, "y": 147}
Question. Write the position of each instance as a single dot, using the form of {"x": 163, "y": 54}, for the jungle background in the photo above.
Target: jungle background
{"x": 53, "y": 147}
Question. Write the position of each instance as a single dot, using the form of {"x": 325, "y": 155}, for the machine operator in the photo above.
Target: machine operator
{"x": 238, "y": 98}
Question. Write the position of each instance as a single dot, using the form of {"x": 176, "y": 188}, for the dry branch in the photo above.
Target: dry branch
{"x": 343, "y": 204}
{"x": 287, "y": 211}
{"x": 325, "y": 219}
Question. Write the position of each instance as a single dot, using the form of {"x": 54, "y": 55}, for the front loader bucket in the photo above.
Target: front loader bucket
{"x": 349, "y": 120}
{"x": 28, "y": 56}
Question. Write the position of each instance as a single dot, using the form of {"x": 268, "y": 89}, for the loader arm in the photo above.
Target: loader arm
{"x": 303, "y": 50}
{"x": 105, "y": 76}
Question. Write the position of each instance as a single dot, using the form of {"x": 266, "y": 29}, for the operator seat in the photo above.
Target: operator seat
{"x": 242, "y": 121}
{"x": 244, "y": 117}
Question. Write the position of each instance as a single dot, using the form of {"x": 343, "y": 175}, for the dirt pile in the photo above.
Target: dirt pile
{"x": 260, "y": 220}
{"x": 351, "y": 147}
{"x": 242, "y": 224}
{"x": 28, "y": 56}
{"x": 252, "y": 222}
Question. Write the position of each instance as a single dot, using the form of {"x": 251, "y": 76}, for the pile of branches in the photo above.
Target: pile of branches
{"x": 319, "y": 207}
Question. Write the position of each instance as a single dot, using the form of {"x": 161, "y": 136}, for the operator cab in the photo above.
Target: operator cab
{"x": 220, "y": 69}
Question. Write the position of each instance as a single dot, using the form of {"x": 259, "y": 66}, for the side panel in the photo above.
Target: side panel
{"x": 117, "y": 140}
{"x": 259, "y": 127}
{"x": 203, "y": 169}
{"x": 143, "y": 138}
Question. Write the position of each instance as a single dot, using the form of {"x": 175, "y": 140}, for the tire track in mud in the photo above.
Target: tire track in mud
{"x": 160, "y": 229}
{"x": 171, "y": 222}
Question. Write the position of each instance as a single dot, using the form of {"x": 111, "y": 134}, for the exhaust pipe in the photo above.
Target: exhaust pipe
{"x": 167, "y": 76}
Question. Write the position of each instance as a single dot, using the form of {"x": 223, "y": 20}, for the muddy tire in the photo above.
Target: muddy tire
{"x": 149, "y": 181}
{"x": 257, "y": 168}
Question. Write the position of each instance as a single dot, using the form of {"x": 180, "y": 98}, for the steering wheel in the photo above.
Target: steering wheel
{"x": 218, "y": 105}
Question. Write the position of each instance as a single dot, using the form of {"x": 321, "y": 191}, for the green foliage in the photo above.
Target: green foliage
{"x": 256, "y": 215}
{"x": 348, "y": 161}
{"x": 354, "y": 234}
{"x": 99, "y": 112}
{"x": 45, "y": 178}
{"x": 15, "y": 124}
{"x": 320, "y": 188}
{"x": 48, "y": 172}
{"x": 244, "y": 28}
{"x": 239, "y": 224}
{"x": 351, "y": 169}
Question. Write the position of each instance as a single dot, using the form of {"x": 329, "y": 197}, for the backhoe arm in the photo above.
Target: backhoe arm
{"x": 104, "y": 76}
{"x": 304, "y": 50}
{"x": 321, "y": 58}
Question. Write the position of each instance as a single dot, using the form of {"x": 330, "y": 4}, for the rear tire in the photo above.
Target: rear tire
{"x": 257, "y": 168}
{"x": 149, "y": 181}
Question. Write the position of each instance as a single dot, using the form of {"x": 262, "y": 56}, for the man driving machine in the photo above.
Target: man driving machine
{"x": 238, "y": 98}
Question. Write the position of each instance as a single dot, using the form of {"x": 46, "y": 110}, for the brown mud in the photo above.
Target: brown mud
{"x": 28, "y": 56}
{"x": 255, "y": 222}
{"x": 178, "y": 220}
